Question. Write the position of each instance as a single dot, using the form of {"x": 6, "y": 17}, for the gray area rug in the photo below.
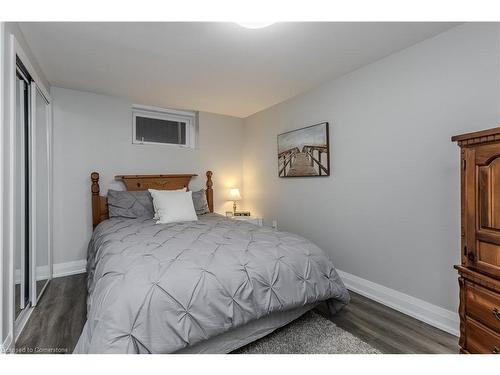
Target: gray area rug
{"x": 310, "y": 334}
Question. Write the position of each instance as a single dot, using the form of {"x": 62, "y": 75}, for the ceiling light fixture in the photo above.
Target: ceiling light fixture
{"x": 254, "y": 25}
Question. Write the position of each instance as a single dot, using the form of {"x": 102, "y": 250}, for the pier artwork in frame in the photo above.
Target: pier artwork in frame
{"x": 304, "y": 152}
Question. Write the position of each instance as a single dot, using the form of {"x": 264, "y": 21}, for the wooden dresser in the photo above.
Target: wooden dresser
{"x": 479, "y": 272}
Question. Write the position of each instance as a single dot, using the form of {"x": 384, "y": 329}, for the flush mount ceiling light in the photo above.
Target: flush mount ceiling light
{"x": 254, "y": 25}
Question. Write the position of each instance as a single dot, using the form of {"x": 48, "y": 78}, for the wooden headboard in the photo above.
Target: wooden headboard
{"x": 143, "y": 182}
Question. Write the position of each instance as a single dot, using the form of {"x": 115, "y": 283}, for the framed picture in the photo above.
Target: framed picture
{"x": 304, "y": 152}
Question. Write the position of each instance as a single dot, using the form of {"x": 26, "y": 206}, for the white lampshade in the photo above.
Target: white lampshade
{"x": 234, "y": 194}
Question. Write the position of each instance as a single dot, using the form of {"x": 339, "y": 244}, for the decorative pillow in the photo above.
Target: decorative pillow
{"x": 173, "y": 206}
{"x": 130, "y": 204}
{"x": 155, "y": 216}
{"x": 200, "y": 202}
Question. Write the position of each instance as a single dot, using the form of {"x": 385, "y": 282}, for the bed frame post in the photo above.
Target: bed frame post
{"x": 210, "y": 192}
{"x": 95, "y": 198}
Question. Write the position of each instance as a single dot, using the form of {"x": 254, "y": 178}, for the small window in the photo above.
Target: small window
{"x": 163, "y": 126}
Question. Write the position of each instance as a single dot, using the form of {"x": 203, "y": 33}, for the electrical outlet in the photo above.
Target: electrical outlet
{"x": 275, "y": 224}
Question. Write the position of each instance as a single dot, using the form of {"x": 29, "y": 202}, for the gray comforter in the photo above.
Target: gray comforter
{"x": 159, "y": 288}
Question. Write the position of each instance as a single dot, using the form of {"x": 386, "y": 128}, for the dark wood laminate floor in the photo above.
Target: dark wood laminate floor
{"x": 57, "y": 321}
{"x": 389, "y": 330}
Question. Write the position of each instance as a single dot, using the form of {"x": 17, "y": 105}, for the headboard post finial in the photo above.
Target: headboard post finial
{"x": 210, "y": 192}
{"x": 96, "y": 209}
{"x": 94, "y": 176}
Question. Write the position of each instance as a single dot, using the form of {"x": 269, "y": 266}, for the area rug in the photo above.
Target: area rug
{"x": 310, "y": 334}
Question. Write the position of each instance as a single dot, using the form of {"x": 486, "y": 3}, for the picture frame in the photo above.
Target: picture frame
{"x": 304, "y": 152}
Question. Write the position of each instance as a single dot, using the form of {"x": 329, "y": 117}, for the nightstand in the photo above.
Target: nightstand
{"x": 249, "y": 219}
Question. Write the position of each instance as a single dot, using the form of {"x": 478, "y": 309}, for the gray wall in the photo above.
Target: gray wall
{"x": 94, "y": 132}
{"x": 389, "y": 212}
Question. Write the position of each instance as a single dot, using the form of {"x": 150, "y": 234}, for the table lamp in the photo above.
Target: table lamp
{"x": 234, "y": 195}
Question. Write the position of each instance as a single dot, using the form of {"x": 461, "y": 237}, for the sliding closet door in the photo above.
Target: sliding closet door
{"x": 40, "y": 193}
{"x": 21, "y": 250}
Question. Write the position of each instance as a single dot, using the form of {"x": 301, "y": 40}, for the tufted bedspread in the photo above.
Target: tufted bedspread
{"x": 159, "y": 288}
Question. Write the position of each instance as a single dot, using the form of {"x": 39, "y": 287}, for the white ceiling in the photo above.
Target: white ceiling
{"x": 214, "y": 67}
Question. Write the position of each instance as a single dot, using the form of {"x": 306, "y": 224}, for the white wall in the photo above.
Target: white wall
{"x": 389, "y": 212}
{"x": 94, "y": 133}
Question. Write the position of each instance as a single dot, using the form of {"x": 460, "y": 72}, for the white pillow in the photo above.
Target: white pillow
{"x": 156, "y": 216}
{"x": 174, "y": 206}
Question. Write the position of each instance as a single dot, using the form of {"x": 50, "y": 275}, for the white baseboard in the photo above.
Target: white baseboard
{"x": 69, "y": 268}
{"x": 59, "y": 270}
{"x": 436, "y": 316}
{"x": 42, "y": 273}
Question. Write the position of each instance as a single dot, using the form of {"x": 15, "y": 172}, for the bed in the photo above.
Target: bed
{"x": 206, "y": 286}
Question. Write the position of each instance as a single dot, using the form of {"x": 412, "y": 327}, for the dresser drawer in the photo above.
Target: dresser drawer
{"x": 480, "y": 339}
{"x": 483, "y": 305}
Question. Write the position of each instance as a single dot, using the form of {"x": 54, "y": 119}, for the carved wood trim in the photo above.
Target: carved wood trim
{"x": 463, "y": 206}
{"x": 156, "y": 181}
{"x": 470, "y": 206}
{"x": 474, "y": 138}
{"x": 210, "y": 192}
{"x": 479, "y": 278}
{"x": 143, "y": 182}
{"x": 461, "y": 312}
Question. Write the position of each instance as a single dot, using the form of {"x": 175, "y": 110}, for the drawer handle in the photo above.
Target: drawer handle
{"x": 496, "y": 313}
{"x": 495, "y": 350}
